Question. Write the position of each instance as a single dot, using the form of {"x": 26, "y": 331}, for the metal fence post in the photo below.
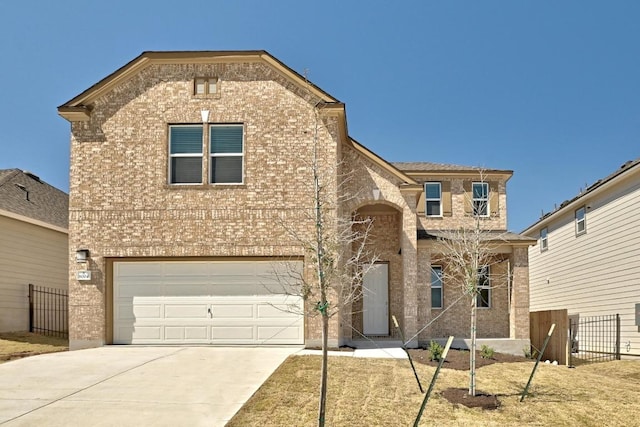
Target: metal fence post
{"x": 617, "y": 336}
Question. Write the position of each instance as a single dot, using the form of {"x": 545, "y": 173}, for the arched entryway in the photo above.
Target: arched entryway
{"x": 382, "y": 287}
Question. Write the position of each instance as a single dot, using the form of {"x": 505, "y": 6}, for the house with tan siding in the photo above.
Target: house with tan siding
{"x": 587, "y": 259}
{"x": 33, "y": 243}
{"x": 185, "y": 165}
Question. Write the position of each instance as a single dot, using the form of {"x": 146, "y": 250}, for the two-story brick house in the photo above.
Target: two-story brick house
{"x": 183, "y": 165}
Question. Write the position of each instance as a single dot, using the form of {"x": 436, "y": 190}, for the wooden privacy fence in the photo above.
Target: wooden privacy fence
{"x": 48, "y": 311}
{"x": 539, "y": 324}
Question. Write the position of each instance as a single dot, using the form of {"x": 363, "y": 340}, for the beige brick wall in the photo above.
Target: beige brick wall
{"x": 491, "y": 322}
{"x": 496, "y": 221}
{"x": 122, "y": 206}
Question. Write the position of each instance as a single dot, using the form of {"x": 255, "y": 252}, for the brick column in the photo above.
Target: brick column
{"x": 409, "y": 247}
{"x": 519, "y": 315}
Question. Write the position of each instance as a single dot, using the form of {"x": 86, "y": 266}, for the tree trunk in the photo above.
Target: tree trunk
{"x": 323, "y": 370}
{"x": 472, "y": 352}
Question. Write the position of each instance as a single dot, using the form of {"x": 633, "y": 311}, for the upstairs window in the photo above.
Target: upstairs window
{"x": 205, "y": 85}
{"x": 433, "y": 197}
{"x": 436, "y": 286}
{"x": 480, "y": 198}
{"x": 581, "y": 221}
{"x": 544, "y": 241}
{"x": 227, "y": 153}
{"x": 185, "y": 152}
{"x": 483, "y": 297}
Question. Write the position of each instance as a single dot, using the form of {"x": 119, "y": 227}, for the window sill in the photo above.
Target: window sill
{"x": 205, "y": 186}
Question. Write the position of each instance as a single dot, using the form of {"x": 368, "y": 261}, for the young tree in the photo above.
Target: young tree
{"x": 468, "y": 253}
{"x": 337, "y": 249}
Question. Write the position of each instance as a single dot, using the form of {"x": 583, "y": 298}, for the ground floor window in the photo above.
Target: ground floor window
{"x": 483, "y": 297}
{"x": 436, "y": 286}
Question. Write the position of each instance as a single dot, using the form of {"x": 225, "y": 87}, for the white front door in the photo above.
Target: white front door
{"x": 376, "y": 300}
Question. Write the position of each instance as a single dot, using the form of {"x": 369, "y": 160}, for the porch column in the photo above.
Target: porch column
{"x": 519, "y": 315}
{"x": 409, "y": 245}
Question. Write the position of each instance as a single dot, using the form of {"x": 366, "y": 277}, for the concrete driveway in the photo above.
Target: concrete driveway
{"x": 134, "y": 386}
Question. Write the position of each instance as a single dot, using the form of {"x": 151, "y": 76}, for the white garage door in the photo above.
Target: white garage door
{"x": 212, "y": 302}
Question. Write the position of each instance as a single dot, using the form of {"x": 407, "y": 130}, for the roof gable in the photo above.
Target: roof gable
{"x": 79, "y": 107}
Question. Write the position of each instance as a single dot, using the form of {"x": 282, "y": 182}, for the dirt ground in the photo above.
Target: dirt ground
{"x": 459, "y": 360}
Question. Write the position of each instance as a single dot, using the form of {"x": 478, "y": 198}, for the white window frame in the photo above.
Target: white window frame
{"x": 434, "y": 268}
{"x": 191, "y": 155}
{"x": 544, "y": 239}
{"x": 484, "y": 285}
{"x": 427, "y": 199}
{"x": 221, "y": 155}
{"x": 581, "y": 220}
{"x": 484, "y": 200}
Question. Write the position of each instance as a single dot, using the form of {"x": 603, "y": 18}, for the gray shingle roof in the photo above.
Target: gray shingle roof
{"x": 431, "y": 167}
{"x": 25, "y": 194}
{"x": 493, "y": 235}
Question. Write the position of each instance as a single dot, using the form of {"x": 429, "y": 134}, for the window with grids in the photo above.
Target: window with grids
{"x": 436, "y": 286}
{"x": 226, "y": 144}
{"x": 581, "y": 221}
{"x": 544, "y": 240}
{"x": 433, "y": 197}
{"x": 480, "y": 198}
{"x": 483, "y": 297}
{"x": 185, "y": 153}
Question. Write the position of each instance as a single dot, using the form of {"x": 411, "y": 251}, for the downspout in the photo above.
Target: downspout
{"x": 509, "y": 286}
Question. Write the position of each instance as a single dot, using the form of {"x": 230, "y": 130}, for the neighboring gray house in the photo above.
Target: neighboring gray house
{"x": 34, "y": 243}
{"x": 587, "y": 259}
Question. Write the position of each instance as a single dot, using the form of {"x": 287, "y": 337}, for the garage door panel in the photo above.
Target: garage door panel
{"x": 232, "y": 311}
{"x": 278, "y": 311}
{"x": 228, "y": 333}
{"x": 186, "y": 333}
{"x": 139, "y": 289}
{"x": 123, "y": 312}
{"x": 185, "y": 289}
{"x": 268, "y": 333}
{"x": 169, "y": 302}
{"x": 178, "y": 270}
{"x": 147, "y": 311}
{"x": 185, "y": 311}
{"x": 153, "y": 333}
{"x": 138, "y": 269}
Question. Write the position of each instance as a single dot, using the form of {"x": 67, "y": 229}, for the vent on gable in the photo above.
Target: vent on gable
{"x": 26, "y": 192}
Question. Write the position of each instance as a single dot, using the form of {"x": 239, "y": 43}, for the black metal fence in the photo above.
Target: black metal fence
{"x": 48, "y": 311}
{"x": 594, "y": 338}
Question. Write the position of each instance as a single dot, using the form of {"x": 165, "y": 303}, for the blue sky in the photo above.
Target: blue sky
{"x": 549, "y": 89}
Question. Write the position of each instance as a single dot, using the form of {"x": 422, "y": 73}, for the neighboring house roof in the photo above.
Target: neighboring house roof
{"x": 491, "y": 236}
{"x": 600, "y": 185}
{"x": 25, "y": 195}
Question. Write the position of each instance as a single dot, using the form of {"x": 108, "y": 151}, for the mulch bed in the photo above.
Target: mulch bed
{"x": 460, "y": 396}
{"x": 459, "y": 359}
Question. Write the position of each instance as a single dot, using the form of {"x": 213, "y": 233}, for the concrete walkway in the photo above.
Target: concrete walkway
{"x": 134, "y": 386}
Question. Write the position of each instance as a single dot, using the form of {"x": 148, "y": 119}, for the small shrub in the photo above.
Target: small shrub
{"x": 486, "y": 352}
{"x": 529, "y": 352}
{"x": 435, "y": 351}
